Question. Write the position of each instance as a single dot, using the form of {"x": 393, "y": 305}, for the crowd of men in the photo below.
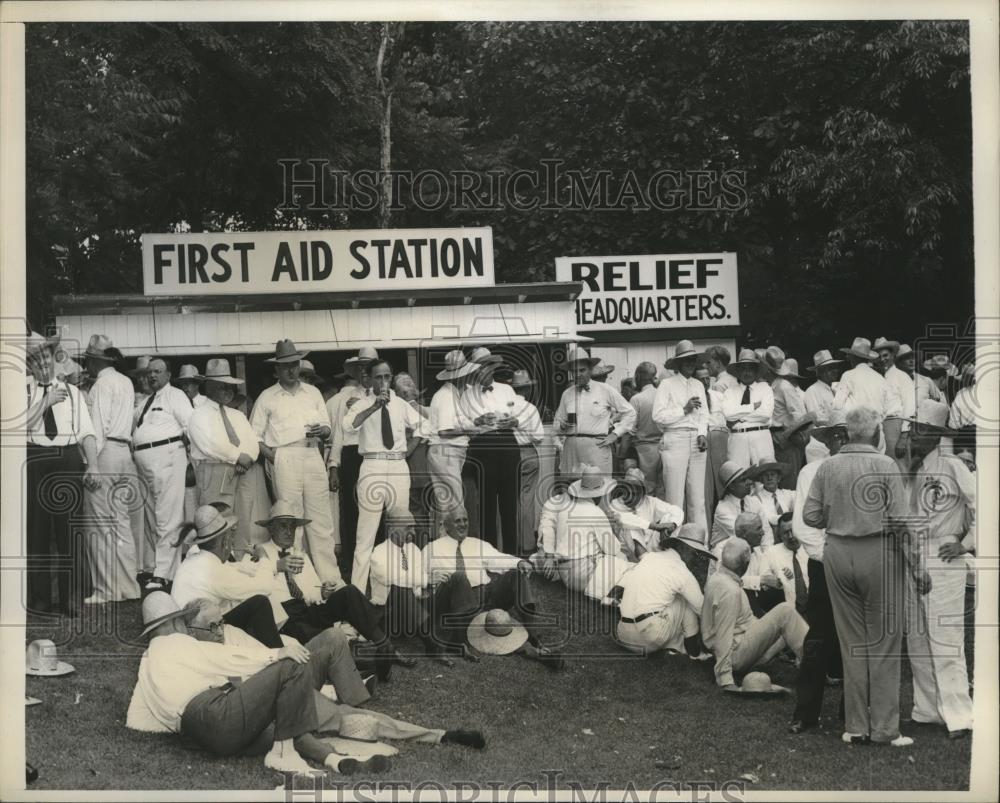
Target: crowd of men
{"x": 722, "y": 510}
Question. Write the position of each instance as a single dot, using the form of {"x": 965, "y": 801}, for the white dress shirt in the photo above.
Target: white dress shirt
{"x": 743, "y": 416}
{"x": 819, "y": 400}
{"x": 812, "y": 539}
{"x": 166, "y": 417}
{"x": 653, "y": 510}
{"x": 112, "y": 403}
{"x": 477, "y": 400}
{"x": 863, "y": 385}
{"x": 444, "y": 415}
{"x": 335, "y": 408}
{"x": 208, "y": 437}
{"x": 729, "y": 507}
{"x": 926, "y": 388}
{"x": 307, "y": 580}
{"x": 387, "y": 569}
{"x": 203, "y": 575}
{"x": 571, "y": 527}
{"x": 723, "y": 382}
{"x": 402, "y": 416}
{"x": 757, "y": 567}
{"x": 479, "y": 557}
{"x": 777, "y": 559}
{"x": 198, "y": 400}
{"x": 716, "y": 414}
{"x": 280, "y": 416}
{"x": 529, "y": 429}
{"x": 599, "y": 410}
{"x": 905, "y": 390}
{"x": 768, "y": 501}
{"x": 655, "y": 581}
{"x": 789, "y": 403}
{"x": 668, "y": 405}
{"x": 645, "y": 429}
{"x": 177, "y": 668}
{"x": 965, "y": 411}
{"x": 71, "y": 415}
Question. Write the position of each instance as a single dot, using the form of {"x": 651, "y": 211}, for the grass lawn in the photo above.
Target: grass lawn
{"x": 608, "y": 719}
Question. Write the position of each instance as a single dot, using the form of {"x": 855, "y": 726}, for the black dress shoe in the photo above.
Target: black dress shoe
{"x": 961, "y": 733}
{"x": 799, "y": 726}
{"x": 30, "y": 773}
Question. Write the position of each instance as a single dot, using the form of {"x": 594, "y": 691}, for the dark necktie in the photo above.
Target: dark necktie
{"x": 387, "y": 437}
{"x": 746, "y": 395}
{"x": 142, "y": 415}
{"x": 293, "y": 587}
{"x": 743, "y": 504}
{"x": 49, "y": 417}
{"x": 777, "y": 505}
{"x": 585, "y": 388}
{"x": 801, "y": 592}
{"x": 459, "y": 559}
{"x": 402, "y": 558}
{"x": 230, "y": 432}
{"x": 190, "y": 400}
{"x": 487, "y": 388}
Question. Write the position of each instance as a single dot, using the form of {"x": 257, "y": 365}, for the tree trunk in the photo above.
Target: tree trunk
{"x": 387, "y": 58}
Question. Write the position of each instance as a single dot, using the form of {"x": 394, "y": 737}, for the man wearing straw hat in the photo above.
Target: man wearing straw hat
{"x": 224, "y": 450}
{"x": 645, "y": 435}
{"x": 737, "y": 484}
{"x": 591, "y": 416}
{"x": 59, "y": 435}
{"x": 903, "y": 387}
{"x": 943, "y": 493}
{"x": 790, "y": 415}
{"x": 639, "y": 518}
{"x": 189, "y": 380}
{"x": 748, "y": 406}
{"x": 819, "y": 397}
{"x": 111, "y": 546}
{"x": 863, "y": 386}
{"x": 661, "y": 600}
{"x": 718, "y": 439}
{"x": 859, "y": 498}
{"x": 291, "y": 422}
{"x": 344, "y": 462}
{"x": 681, "y": 411}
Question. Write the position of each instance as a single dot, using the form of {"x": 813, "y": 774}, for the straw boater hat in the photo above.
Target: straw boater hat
{"x": 42, "y": 660}
{"x": 97, "y": 347}
{"x": 693, "y": 535}
{"x": 456, "y": 365}
{"x": 285, "y": 351}
{"x": 359, "y": 727}
{"x": 861, "y": 348}
{"x": 141, "y": 366}
{"x": 773, "y": 358}
{"x": 759, "y": 470}
{"x": 940, "y": 363}
{"x": 730, "y": 471}
{"x": 209, "y": 523}
{"x": 522, "y": 379}
{"x": 576, "y": 354}
{"x": 932, "y": 419}
{"x": 217, "y": 370}
{"x": 284, "y": 511}
{"x": 365, "y": 355}
{"x": 160, "y": 607}
{"x": 593, "y": 483}
{"x": 683, "y": 350}
{"x": 904, "y": 351}
{"x": 823, "y": 359}
{"x": 602, "y": 370}
{"x": 746, "y": 357}
{"x": 482, "y": 355}
{"x": 188, "y": 373}
{"x": 494, "y": 632}
{"x": 758, "y": 684}
{"x": 837, "y": 420}
{"x": 882, "y": 343}
{"x": 789, "y": 367}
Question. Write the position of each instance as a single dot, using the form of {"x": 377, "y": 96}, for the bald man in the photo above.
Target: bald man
{"x": 738, "y": 639}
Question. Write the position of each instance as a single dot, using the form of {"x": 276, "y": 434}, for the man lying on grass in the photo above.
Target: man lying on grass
{"x": 244, "y": 699}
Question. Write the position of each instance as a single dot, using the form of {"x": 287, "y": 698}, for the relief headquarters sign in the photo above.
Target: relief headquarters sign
{"x": 232, "y": 263}
{"x": 653, "y": 291}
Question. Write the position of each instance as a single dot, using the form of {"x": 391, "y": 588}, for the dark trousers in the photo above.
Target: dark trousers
{"x": 254, "y": 616}
{"x": 54, "y": 502}
{"x": 821, "y": 651}
{"x": 764, "y": 600}
{"x": 350, "y": 465}
{"x": 405, "y": 615}
{"x": 455, "y": 603}
{"x": 496, "y": 458}
{"x": 346, "y": 604}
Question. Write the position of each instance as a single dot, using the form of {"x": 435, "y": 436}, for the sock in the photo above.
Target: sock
{"x": 469, "y": 738}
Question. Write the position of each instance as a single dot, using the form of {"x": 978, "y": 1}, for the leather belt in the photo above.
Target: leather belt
{"x": 154, "y": 444}
{"x": 640, "y": 618}
{"x": 748, "y": 429}
{"x": 582, "y": 435}
{"x": 384, "y": 455}
{"x": 126, "y": 441}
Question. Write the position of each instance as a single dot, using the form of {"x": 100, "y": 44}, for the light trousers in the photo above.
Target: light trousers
{"x": 780, "y": 627}
{"x": 111, "y": 548}
{"x": 935, "y": 643}
{"x": 751, "y": 448}
{"x": 245, "y": 493}
{"x": 445, "y": 462}
{"x": 684, "y": 473}
{"x": 299, "y": 477}
{"x": 865, "y": 577}
{"x": 382, "y": 485}
{"x": 650, "y": 466}
{"x": 665, "y": 630}
{"x": 162, "y": 469}
{"x": 584, "y": 450}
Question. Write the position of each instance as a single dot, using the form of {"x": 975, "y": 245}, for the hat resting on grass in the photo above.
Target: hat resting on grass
{"x": 758, "y": 684}
{"x": 42, "y": 660}
{"x": 495, "y": 632}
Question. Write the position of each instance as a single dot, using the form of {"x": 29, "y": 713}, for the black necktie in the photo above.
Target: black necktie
{"x": 459, "y": 559}
{"x": 387, "y": 437}
{"x": 777, "y": 504}
{"x": 142, "y": 415}
{"x": 801, "y": 592}
{"x": 293, "y": 587}
{"x": 743, "y": 505}
{"x": 746, "y": 395}
{"x": 49, "y": 417}
{"x": 487, "y": 388}
{"x": 402, "y": 558}
{"x": 585, "y": 388}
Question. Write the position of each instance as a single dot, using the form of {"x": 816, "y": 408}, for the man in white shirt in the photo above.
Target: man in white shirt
{"x": 477, "y": 577}
{"x": 661, "y": 600}
{"x": 717, "y": 359}
{"x": 646, "y": 434}
{"x": 681, "y": 411}
{"x": 344, "y": 461}
{"x": 861, "y": 385}
{"x": 448, "y": 442}
{"x": 901, "y": 384}
{"x": 819, "y": 397}
{"x": 291, "y": 422}
{"x": 529, "y": 433}
{"x": 189, "y": 380}
{"x": 773, "y": 499}
{"x": 748, "y": 406}
{"x": 718, "y": 438}
{"x": 787, "y": 561}
{"x": 737, "y": 483}
{"x": 591, "y": 417}
{"x": 966, "y": 412}
{"x": 763, "y": 588}
{"x": 59, "y": 435}
{"x": 111, "y": 545}
{"x": 224, "y": 450}
{"x": 789, "y": 418}
{"x": 161, "y": 457}
{"x": 638, "y": 518}
{"x": 381, "y": 419}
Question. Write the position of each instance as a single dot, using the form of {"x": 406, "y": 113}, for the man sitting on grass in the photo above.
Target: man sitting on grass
{"x": 245, "y": 699}
{"x": 738, "y": 639}
{"x": 763, "y": 589}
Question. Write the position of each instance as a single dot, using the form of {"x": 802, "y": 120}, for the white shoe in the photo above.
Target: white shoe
{"x": 702, "y": 656}
{"x": 94, "y": 599}
{"x": 902, "y": 741}
{"x": 287, "y": 761}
